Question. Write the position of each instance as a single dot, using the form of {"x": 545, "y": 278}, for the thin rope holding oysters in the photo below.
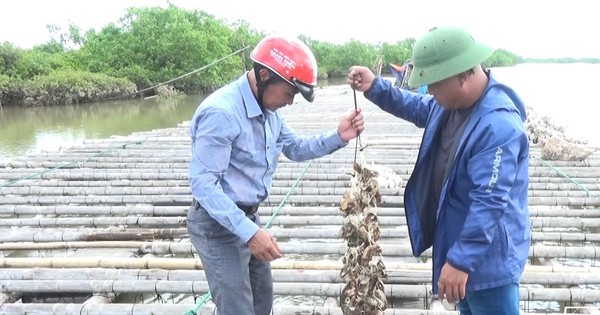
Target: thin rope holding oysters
{"x": 358, "y": 142}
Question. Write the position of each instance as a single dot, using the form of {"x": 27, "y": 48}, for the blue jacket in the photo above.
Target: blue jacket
{"x": 481, "y": 225}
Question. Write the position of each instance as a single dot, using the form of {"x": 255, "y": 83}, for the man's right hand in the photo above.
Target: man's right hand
{"x": 263, "y": 246}
{"x": 360, "y": 78}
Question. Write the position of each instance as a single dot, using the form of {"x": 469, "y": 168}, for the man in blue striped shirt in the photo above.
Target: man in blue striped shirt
{"x": 237, "y": 137}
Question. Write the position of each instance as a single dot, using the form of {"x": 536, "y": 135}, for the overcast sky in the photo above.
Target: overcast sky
{"x": 530, "y": 28}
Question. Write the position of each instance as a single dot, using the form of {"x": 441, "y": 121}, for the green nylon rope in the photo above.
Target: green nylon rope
{"x": 546, "y": 163}
{"x": 122, "y": 146}
{"x": 201, "y": 302}
{"x": 207, "y": 296}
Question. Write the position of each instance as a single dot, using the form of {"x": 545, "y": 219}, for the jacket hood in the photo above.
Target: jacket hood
{"x": 507, "y": 99}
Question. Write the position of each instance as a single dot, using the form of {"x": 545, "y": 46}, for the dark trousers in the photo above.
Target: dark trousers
{"x": 239, "y": 283}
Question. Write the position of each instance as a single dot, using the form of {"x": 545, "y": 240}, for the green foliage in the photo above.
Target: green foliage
{"x": 10, "y": 90}
{"x": 397, "y": 53}
{"x": 321, "y": 50}
{"x": 4, "y": 85}
{"x": 244, "y": 36}
{"x": 33, "y": 63}
{"x": 51, "y": 47}
{"x": 141, "y": 77}
{"x": 9, "y": 55}
{"x": 30, "y": 63}
{"x": 4, "y": 81}
{"x": 66, "y": 87}
{"x": 353, "y": 52}
{"x": 562, "y": 60}
{"x": 502, "y": 58}
{"x": 154, "y": 45}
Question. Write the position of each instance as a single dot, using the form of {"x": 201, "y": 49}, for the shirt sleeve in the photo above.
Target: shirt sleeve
{"x": 211, "y": 151}
{"x": 301, "y": 148}
{"x": 410, "y": 106}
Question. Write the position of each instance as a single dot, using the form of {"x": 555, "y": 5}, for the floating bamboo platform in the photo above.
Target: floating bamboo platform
{"x": 100, "y": 228}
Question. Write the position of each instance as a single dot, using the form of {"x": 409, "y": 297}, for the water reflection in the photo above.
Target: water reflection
{"x": 25, "y": 130}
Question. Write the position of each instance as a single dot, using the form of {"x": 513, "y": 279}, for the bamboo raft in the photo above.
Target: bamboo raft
{"x": 99, "y": 228}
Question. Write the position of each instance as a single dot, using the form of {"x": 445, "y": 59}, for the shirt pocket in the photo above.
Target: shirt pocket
{"x": 273, "y": 152}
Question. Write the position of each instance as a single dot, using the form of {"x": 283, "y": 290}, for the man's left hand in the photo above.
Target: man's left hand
{"x": 351, "y": 126}
{"x": 452, "y": 284}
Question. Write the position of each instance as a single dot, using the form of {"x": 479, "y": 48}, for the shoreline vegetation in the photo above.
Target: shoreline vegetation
{"x": 151, "y": 45}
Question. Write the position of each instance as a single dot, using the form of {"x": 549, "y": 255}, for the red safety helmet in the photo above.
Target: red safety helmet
{"x": 291, "y": 59}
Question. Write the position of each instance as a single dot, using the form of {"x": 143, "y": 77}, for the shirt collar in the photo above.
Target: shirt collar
{"x": 252, "y": 107}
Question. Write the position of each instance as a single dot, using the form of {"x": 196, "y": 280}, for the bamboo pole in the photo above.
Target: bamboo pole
{"x": 391, "y": 158}
{"x": 279, "y": 288}
{"x": 151, "y": 175}
{"x": 584, "y": 175}
{"x": 99, "y": 210}
{"x": 387, "y": 201}
{"x": 108, "y": 234}
{"x": 283, "y": 172}
{"x": 208, "y": 309}
{"x": 41, "y": 235}
{"x": 301, "y": 190}
{"x": 73, "y": 245}
{"x": 583, "y": 308}
{"x": 389, "y": 249}
{"x": 98, "y": 221}
{"x": 395, "y": 276}
{"x": 541, "y": 184}
{"x": 264, "y": 210}
{"x": 405, "y": 168}
{"x": 97, "y": 200}
{"x": 399, "y": 142}
{"x": 304, "y": 247}
{"x": 195, "y": 264}
{"x": 336, "y": 220}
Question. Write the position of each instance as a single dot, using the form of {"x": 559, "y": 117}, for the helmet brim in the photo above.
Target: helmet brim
{"x": 307, "y": 91}
{"x": 425, "y": 75}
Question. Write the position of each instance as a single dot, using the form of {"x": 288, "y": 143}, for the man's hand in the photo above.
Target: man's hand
{"x": 360, "y": 78}
{"x": 263, "y": 246}
{"x": 452, "y": 284}
{"x": 351, "y": 126}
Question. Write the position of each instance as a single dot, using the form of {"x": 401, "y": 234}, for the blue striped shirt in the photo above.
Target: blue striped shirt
{"x": 235, "y": 149}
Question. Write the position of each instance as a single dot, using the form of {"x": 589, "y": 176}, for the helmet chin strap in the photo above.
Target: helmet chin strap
{"x": 260, "y": 87}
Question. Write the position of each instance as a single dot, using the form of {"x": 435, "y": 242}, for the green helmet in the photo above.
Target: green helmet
{"x": 444, "y": 52}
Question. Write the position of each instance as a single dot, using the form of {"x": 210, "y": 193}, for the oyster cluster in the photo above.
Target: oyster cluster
{"x": 363, "y": 269}
{"x": 556, "y": 145}
{"x": 554, "y": 148}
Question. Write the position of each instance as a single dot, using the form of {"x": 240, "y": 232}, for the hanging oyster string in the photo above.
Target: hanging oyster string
{"x": 363, "y": 267}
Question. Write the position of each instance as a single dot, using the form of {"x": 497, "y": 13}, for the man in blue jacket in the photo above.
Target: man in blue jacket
{"x": 467, "y": 195}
